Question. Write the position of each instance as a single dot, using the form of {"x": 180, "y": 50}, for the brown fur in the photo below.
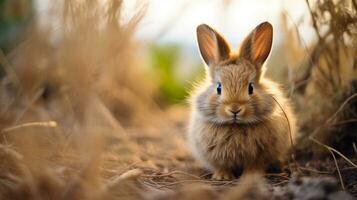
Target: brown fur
{"x": 259, "y": 136}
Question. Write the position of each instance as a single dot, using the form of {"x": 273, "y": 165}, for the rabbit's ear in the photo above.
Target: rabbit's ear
{"x": 256, "y": 47}
{"x": 213, "y": 46}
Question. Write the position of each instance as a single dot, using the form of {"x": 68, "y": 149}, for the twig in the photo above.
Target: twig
{"x": 280, "y": 183}
{"x": 348, "y": 168}
{"x": 316, "y": 171}
{"x": 49, "y": 124}
{"x": 314, "y": 23}
{"x": 29, "y": 101}
{"x": 109, "y": 116}
{"x": 282, "y": 175}
{"x": 129, "y": 166}
{"x": 199, "y": 181}
{"x": 300, "y": 83}
{"x": 306, "y": 77}
{"x": 338, "y": 170}
{"x": 326, "y": 124}
{"x": 10, "y": 72}
{"x": 151, "y": 183}
{"x": 206, "y": 174}
{"x": 171, "y": 173}
{"x": 287, "y": 119}
{"x": 341, "y": 107}
{"x": 344, "y": 122}
{"x": 331, "y": 150}
{"x": 290, "y": 134}
{"x": 334, "y": 150}
{"x": 128, "y": 175}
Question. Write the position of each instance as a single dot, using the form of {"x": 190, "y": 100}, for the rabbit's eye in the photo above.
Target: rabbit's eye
{"x": 250, "y": 89}
{"x": 219, "y": 88}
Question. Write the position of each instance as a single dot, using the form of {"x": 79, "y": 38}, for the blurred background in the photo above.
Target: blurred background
{"x": 168, "y": 31}
{"x": 93, "y": 92}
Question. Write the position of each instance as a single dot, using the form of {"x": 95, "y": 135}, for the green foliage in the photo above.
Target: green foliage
{"x": 14, "y": 15}
{"x": 164, "y": 61}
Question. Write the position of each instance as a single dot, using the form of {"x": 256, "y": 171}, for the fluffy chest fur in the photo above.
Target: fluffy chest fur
{"x": 235, "y": 146}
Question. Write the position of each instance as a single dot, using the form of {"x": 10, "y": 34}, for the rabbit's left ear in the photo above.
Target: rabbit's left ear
{"x": 212, "y": 45}
{"x": 256, "y": 47}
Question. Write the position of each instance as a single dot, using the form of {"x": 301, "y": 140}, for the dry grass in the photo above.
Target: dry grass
{"x": 78, "y": 119}
{"x": 68, "y": 101}
{"x": 324, "y": 75}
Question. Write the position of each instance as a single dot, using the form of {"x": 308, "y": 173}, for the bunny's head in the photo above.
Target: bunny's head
{"x": 236, "y": 92}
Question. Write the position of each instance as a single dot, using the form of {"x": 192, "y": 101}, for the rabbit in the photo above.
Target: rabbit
{"x": 239, "y": 119}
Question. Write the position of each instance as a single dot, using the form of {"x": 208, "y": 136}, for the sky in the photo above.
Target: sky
{"x": 175, "y": 21}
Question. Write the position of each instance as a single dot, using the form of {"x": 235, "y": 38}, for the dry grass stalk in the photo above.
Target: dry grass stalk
{"x": 327, "y": 77}
{"x": 50, "y": 124}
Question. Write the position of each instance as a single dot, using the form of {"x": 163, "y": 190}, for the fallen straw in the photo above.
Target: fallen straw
{"x": 48, "y": 124}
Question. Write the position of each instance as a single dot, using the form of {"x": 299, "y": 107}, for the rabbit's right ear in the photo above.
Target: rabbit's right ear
{"x": 256, "y": 47}
{"x": 212, "y": 45}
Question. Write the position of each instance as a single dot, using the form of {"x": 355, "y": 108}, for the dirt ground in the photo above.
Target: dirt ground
{"x": 163, "y": 162}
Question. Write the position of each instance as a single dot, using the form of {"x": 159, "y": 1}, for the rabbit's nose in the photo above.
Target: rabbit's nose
{"x": 235, "y": 111}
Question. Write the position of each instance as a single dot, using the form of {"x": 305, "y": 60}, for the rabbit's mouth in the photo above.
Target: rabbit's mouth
{"x": 240, "y": 121}
{"x": 236, "y": 120}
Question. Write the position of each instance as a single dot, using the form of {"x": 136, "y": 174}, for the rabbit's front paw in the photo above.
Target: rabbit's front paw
{"x": 222, "y": 175}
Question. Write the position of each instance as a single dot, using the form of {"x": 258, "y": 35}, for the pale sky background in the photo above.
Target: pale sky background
{"x": 175, "y": 21}
{"x": 179, "y": 18}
